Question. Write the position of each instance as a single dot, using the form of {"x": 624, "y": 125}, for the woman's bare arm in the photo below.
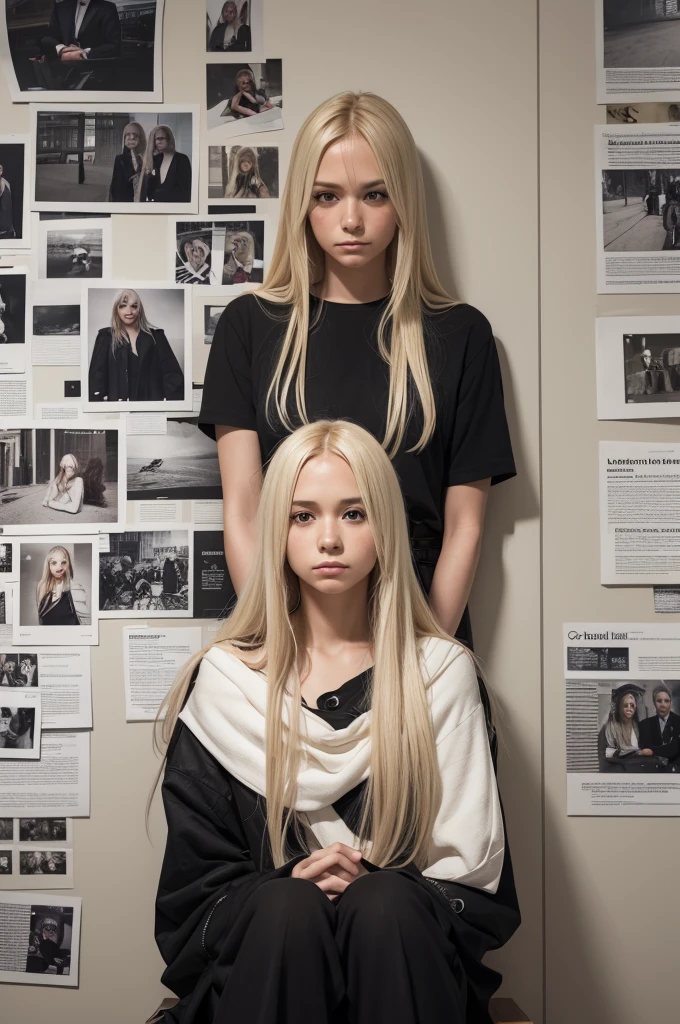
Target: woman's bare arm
{"x": 241, "y": 471}
{"x": 454, "y": 574}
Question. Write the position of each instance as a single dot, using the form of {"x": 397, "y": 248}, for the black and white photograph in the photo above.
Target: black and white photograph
{"x": 136, "y": 159}
{"x": 97, "y": 49}
{"x": 58, "y": 600}
{"x": 136, "y": 347}
{"x": 234, "y": 26}
{"x": 20, "y": 723}
{"x": 47, "y": 939}
{"x": 44, "y": 830}
{"x": 238, "y": 173}
{"x": 75, "y": 251}
{"x": 57, "y": 321}
{"x": 13, "y": 306}
{"x": 638, "y": 43}
{"x": 211, "y": 316}
{"x": 42, "y": 862}
{"x": 221, "y": 253}
{"x": 6, "y": 860}
{"x": 641, "y": 210}
{"x": 6, "y": 561}
{"x": 638, "y": 367}
{"x": 244, "y": 97}
{"x": 642, "y": 113}
{"x": 15, "y": 224}
{"x": 146, "y": 573}
{"x": 6, "y": 830}
{"x": 213, "y": 590}
{"x": 181, "y": 464}
{"x": 62, "y": 479}
{"x": 19, "y": 669}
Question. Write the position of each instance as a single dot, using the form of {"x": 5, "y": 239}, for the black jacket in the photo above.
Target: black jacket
{"x": 160, "y": 375}
{"x": 651, "y": 738}
{"x": 100, "y": 30}
{"x": 122, "y": 187}
{"x": 177, "y": 185}
{"x": 241, "y": 42}
{"x": 217, "y": 854}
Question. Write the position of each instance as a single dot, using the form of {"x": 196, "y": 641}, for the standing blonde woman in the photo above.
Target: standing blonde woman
{"x": 336, "y": 848}
{"x": 60, "y": 599}
{"x": 166, "y": 174}
{"x": 65, "y": 493}
{"x": 126, "y": 181}
{"x": 352, "y": 321}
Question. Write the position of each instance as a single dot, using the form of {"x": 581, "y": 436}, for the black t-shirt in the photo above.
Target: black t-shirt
{"x": 346, "y": 378}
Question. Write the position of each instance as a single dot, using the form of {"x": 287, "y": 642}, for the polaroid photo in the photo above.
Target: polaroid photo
{"x": 106, "y": 51}
{"x": 244, "y": 97}
{"x": 43, "y": 939}
{"x": 225, "y": 254}
{"x": 116, "y": 160}
{"x": 147, "y": 573}
{"x": 20, "y": 723}
{"x": 136, "y": 347}
{"x": 56, "y": 601}
{"x": 239, "y": 174}
{"x": 14, "y": 330}
{"x": 15, "y": 164}
{"x": 75, "y": 250}
{"x": 234, "y": 27}
{"x": 68, "y": 479}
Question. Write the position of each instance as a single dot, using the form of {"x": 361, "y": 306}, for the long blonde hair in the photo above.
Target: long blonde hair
{"x": 61, "y": 482}
{"x": 147, "y": 166}
{"x": 47, "y": 582}
{"x": 119, "y": 334}
{"x": 237, "y": 186}
{"x": 298, "y": 260}
{"x": 404, "y": 786}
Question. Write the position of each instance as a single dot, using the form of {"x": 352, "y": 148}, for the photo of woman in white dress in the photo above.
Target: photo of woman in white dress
{"x": 65, "y": 492}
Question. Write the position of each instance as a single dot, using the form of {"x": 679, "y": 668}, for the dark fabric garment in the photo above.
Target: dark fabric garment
{"x": 99, "y": 32}
{"x": 177, "y": 185}
{"x": 122, "y": 188}
{"x": 6, "y": 214}
{"x": 240, "y": 43}
{"x": 133, "y": 364}
{"x": 217, "y": 856}
{"x": 246, "y": 100}
{"x": 667, "y": 745}
{"x": 172, "y": 580}
{"x": 63, "y": 613}
{"x": 160, "y": 375}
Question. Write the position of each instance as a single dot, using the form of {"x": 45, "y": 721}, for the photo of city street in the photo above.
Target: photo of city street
{"x": 641, "y": 210}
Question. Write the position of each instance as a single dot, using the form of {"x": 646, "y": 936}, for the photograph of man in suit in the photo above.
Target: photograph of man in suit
{"x": 660, "y": 733}
{"x": 79, "y": 30}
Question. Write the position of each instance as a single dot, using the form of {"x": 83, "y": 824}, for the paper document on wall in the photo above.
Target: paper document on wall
{"x": 152, "y": 658}
{"x": 39, "y": 938}
{"x": 57, "y": 785}
{"x": 622, "y": 718}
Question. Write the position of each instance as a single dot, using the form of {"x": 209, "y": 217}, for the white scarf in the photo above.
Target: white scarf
{"x": 226, "y": 712}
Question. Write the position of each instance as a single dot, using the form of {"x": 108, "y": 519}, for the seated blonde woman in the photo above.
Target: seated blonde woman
{"x": 65, "y": 492}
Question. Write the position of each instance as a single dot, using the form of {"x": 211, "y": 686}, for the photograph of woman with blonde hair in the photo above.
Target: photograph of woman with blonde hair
{"x": 65, "y": 493}
{"x": 132, "y": 360}
{"x": 61, "y": 600}
{"x": 166, "y": 174}
{"x": 240, "y": 264}
{"x": 245, "y": 180}
{"x": 232, "y": 31}
{"x": 126, "y": 181}
{"x": 330, "y": 795}
{"x": 352, "y": 321}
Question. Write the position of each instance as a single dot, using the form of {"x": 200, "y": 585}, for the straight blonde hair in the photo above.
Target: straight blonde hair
{"x": 47, "y": 583}
{"x": 298, "y": 261}
{"x": 404, "y": 786}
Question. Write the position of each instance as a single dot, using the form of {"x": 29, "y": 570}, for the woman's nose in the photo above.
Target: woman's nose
{"x": 351, "y": 219}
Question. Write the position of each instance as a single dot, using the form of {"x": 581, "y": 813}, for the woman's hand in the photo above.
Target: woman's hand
{"x": 332, "y": 869}
{"x": 646, "y": 752}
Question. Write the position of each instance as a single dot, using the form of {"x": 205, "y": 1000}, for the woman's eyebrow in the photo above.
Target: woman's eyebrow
{"x": 330, "y": 184}
{"x": 315, "y": 505}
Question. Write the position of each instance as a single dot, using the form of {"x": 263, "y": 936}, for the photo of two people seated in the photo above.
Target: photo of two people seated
{"x": 642, "y": 731}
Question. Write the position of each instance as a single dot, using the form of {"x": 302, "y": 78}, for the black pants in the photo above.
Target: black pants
{"x": 380, "y": 954}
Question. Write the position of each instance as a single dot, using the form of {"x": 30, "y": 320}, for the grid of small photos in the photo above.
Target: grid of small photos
{"x": 110, "y": 511}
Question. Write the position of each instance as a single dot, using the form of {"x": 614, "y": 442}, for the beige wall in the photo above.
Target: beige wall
{"x": 464, "y": 77}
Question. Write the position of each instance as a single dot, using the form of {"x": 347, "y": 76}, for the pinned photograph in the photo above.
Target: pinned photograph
{"x": 221, "y": 253}
{"x": 6, "y": 830}
{"x": 136, "y": 347}
{"x": 7, "y": 566}
{"x": 638, "y": 367}
{"x": 13, "y": 304}
{"x": 146, "y": 573}
{"x": 140, "y": 159}
{"x": 20, "y": 723}
{"x": 181, "y": 464}
{"x": 58, "y": 599}
{"x": 14, "y": 192}
{"x": 234, "y": 26}
{"x": 44, "y": 830}
{"x": 242, "y": 173}
{"x": 211, "y": 316}
{"x": 17, "y": 669}
{"x": 45, "y": 950}
{"x": 59, "y": 321}
{"x": 62, "y": 479}
{"x": 641, "y": 210}
{"x": 99, "y": 49}
{"x": 638, "y": 50}
{"x": 76, "y": 250}
{"x": 245, "y": 98}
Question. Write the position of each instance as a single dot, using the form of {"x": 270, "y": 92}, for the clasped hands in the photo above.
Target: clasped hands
{"x": 331, "y": 869}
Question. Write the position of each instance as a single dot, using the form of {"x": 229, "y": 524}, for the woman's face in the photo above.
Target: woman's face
{"x": 239, "y": 244}
{"x": 229, "y": 13}
{"x": 245, "y": 165}
{"x": 195, "y": 255}
{"x": 351, "y": 215}
{"x": 328, "y": 524}
{"x": 58, "y": 565}
{"x": 161, "y": 141}
{"x": 67, "y": 467}
{"x": 244, "y": 82}
{"x": 132, "y": 138}
{"x": 628, "y": 706}
{"x": 128, "y": 310}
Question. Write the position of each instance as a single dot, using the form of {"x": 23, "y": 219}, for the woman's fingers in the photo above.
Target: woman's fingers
{"x": 332, "y": 884}
{"x": 318, "y": 867}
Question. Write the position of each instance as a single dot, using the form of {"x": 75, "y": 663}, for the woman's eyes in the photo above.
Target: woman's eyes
{"x": 371, "y": 196}
{"x": 352, "y": 512}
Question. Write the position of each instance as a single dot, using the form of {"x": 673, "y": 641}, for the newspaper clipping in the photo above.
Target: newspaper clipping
{"x": 39, "y": 941}
{"x": 152, "y": 658}
{"x": 639, "y": 512}
{"x": 58, "y": 785}
{"x": 638, "y": 367}
{"x": 637, "y": 197}
{"x": 638, "y": 48}
{"x": 622, "y": 718}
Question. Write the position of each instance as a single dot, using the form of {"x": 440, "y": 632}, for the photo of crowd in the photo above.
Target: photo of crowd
{"x": 145, "y": 571}
{"x": 19, "y": 670}
{"x": 42, "y": 862}
{"x": 42, "y": 830}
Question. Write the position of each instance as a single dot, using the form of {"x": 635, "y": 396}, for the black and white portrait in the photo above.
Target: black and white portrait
{"x": 56, "y": 320}
{"x": 13, "y": 292}
{"x": 76, "y": 254}
{"x": 51, "y": 940}
{"x": 6, "y": 861}
{"x": 146, "y": 573}
{"x": 97, "y": 48}
{"x": 181, "y": 464}
{"x": 42, "y": 830}
{"x": 244, "y": 97}
{"x": 641, "y": 210}
{"x": 142, "y": 160}
{"x": 243, "y": 172}
{"x": 221, "y": 253}
{"x": 136, "y": 347}
{"x": 6, "y": 830}
{"x": 17, "y": 730}
{"x": 58, "y": 591}
{"x": 56, "y": 479}
{"x": 17, "y": 669}
{"x": 233, "y": 27}
{"x": 6, "y": 560}
{"x": 14, "y": 218}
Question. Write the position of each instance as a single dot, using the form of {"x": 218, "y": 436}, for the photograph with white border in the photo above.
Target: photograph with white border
{"x": 120, "y": 159}
{"x": 55, "y": 832}
{"x": 136, "y": 347}
{"x": 147, "y": 573}
{"x": 238, "y": 174}
{"x": 38, "y": 867}
{"x": 638, "y": 50}
{"x": 69, "y": 479}
{"x": 57, "y": 597}
{"x": 221, "y": 255}
{"x": 234, "y": 27}
{"x": 20, "y": 723}
{"x": 15, "y": 166}
{"x": 39, "y": 941}
{"x": 244, "y": 97}
{"x": 638, "y": 367}
{"x": 76, "y": 250}
{"x": 14, "y": 324}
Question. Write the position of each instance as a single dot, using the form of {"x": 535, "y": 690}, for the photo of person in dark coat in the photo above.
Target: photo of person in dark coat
{"x": 231, "y": 33}
{"x": 126, "y": 180}
{"x": 6, "y": 210}
{"x": 79, "y": 30}
{"x": 172, "y": 578}
{"x": 132, "y": 360}
{"x": 166, "y": 173}
{"x": 660, "y": 733}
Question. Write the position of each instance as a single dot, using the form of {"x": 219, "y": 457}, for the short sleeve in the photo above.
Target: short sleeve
{"x": 481, "y": 446}
{"x": 228, "y": 394}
